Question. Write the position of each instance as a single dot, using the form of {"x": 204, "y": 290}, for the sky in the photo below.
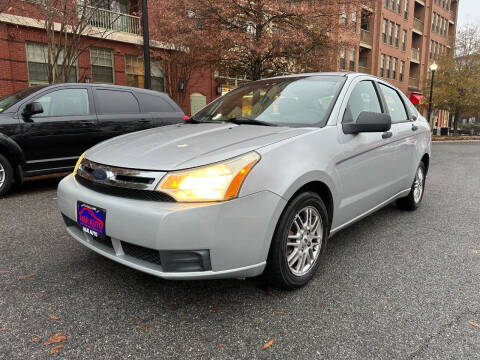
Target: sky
{"x": 469, "y": 12}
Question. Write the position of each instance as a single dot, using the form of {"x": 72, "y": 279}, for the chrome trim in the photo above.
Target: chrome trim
{"x": 146, "y": 179}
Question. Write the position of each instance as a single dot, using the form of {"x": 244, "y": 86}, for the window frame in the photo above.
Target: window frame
{"x": 380, "y": 98}
{"x": 405, "y": 107}
{"x": 113, "y": 62}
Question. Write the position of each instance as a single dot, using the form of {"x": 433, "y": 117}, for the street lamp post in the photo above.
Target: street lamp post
{"x": 433, "y": 68}
{"x": 146, "y": 46}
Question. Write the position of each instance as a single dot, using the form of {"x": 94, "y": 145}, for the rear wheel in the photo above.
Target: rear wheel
{"x": 414, "y": 198}
{"x": 299, "y": 239}
{"x": 6, "y": 175}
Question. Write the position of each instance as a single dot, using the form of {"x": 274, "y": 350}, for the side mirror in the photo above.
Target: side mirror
{"x": 368, "y": 122}
{"x": 32, "y": 109}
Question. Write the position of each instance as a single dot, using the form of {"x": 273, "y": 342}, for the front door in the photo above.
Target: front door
{"x": 53, "y": 139}
{"x": 365, "y": 167}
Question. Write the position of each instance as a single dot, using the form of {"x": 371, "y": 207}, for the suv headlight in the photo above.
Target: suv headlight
{"x": 216, "y": 182}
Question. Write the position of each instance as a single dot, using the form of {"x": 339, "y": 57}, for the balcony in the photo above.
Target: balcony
{"x": 413, "y": 83}
{"x": 415, "y": 55}
{"x": 418, "y": 26}
{"x": 366, "y": 39}
{"x": 112, "y": 20}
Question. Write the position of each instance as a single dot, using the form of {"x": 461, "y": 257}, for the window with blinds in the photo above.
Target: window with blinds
{"x": 102, "y": 65}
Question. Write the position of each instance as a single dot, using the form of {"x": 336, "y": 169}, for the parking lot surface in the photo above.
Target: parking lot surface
{"x": 396, "y": 285}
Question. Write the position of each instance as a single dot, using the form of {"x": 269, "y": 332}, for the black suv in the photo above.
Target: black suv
{"x": 44, "y": 129}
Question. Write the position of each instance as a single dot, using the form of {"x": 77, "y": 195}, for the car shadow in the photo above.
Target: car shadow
{"x": 36, "y": 185}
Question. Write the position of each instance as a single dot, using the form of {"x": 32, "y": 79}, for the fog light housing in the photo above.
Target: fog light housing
{"x": 185, "y": 260}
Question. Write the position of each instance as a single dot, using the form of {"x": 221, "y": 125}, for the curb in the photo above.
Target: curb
{"x": 454, "y": 141}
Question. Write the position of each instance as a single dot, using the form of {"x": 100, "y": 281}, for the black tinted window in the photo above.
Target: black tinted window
{"x": 152, "y": 103}
{"x": 116, "y": 102}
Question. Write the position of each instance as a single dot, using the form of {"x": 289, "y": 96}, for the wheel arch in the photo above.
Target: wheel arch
{"x": 426, "y": 162}
{"x": 13, "y": 152}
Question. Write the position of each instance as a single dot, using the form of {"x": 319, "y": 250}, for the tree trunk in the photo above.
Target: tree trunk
{"x": 455, "y": 125}
{"x": 256, "y": 69}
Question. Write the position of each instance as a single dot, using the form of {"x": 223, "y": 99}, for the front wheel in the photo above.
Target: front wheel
{"x": 6, "y": 175}
{"x": 299, "y": 239}
{"x": 414, "y": 198}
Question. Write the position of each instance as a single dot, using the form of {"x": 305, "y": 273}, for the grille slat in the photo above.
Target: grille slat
{"x": 142, "y": 253}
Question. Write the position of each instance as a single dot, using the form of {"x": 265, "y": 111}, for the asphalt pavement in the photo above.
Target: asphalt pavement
{"x": 396, "y": 285}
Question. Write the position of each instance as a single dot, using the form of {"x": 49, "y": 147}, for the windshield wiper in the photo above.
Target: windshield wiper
{"x": 247, "y": 121}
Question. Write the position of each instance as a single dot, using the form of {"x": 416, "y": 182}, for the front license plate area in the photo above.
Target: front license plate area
{"x": 91, "y": 219}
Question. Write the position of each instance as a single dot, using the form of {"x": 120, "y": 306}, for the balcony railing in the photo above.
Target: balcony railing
{"x": 413, "y": 82}
{"x": 416, "y": 54}
{"x": 418, "y": 25}
{"x": 113, "y": 20}
{"x": 363, "y": 69}
{"x": 366, "y": 37}
{"x": 452, "y": 15}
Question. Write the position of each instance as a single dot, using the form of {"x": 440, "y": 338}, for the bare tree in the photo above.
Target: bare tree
{"x": 4, "y": 5}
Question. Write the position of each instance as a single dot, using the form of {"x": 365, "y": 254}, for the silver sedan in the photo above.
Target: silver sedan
{"x": 254, "y": 183}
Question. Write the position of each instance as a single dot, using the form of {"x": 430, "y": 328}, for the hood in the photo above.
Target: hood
{"x": 184, "y": 146}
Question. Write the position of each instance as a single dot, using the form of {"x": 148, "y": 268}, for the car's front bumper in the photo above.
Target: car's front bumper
{"x": 235, "y": 234}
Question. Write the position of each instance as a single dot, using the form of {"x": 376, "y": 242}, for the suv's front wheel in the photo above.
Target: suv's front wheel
{"x": 6, "y": 175}
{"x": 299, "y": 239}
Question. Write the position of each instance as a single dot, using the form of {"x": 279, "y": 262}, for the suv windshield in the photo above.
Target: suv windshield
{"x": 296, "y": 102}
{"x": 12, "y": 99}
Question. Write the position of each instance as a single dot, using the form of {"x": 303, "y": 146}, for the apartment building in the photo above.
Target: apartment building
{"x": 114, "y": 58}
{"x": 398, "y": 40}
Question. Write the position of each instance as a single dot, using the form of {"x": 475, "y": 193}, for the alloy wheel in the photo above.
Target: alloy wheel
{"x": 418, "y": 185}
{"x": 2, "y": 175}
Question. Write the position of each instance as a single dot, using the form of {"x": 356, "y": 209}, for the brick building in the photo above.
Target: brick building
{"x": 116, "y": 57}
{"x": 398, "y": 40}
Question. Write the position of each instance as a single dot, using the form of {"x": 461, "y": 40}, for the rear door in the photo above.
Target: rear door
{"x": 162, "y": 110}
{"x": 54, "y": 139}
{"x": 366, "y": 164}
{"x": 118, "y": 112}
{"x": 403, "y": 141}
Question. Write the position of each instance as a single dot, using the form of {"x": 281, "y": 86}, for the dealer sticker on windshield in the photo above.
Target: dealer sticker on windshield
{"x": 91, "y": 218}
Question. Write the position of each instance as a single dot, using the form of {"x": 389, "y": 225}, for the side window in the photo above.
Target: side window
{"x": 363, "y": 98}
{"x": 152, "y": 103}
{"x": 395, "y": 105}
{"x": 67, "y": 102}
{"x": 116, "y": 102}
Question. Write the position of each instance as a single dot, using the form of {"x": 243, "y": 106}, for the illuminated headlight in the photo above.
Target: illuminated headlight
{"x": 80, "y": 159}
{"x": 216, "y": 182}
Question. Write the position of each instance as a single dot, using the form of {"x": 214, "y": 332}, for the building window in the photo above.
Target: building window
{"x": 389, "y": 59}
{"x": 342, "y": 59}
{"x": 158, "y": 76}
{"x": 394, "y": 68}
{"x": 405, "y": 10}
{"x": 354, "y": 20}
{"x": 399, "y": 6}
{"x": 393, "y": 4}
{"x": 437, "y": 23}
{"x": 135, "y": 71}
{"x": 397, "y": 34}
{"x": 445, "y": 28}
{"x": 387, "y": 4}
{"x": 390, "y": 33}
{"x": 382, "y": 65}
{"x": 404, "y": 40}
{"x": 402, "y": 68}
{"x": 102, "y": 65}
{"x": 433, "y": 21}
{"x": 37, "y": 63}
{"x": 351, "y": 63}
{"x": 384, "y": 31}
{"x": 343, "y": 19}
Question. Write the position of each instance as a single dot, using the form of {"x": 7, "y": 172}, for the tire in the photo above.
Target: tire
{"x": 6, "y": 175}
{"x": 278, "y": 272}
{"x": 412, "y": 201}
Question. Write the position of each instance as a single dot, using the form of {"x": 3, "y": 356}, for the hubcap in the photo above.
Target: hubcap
{"x": 304, "y": 241}
{"x": 2, "y": 175}
{"x": 418, "y": 185}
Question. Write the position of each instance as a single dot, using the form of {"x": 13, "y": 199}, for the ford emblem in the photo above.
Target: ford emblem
{"x": 99, "y": 174}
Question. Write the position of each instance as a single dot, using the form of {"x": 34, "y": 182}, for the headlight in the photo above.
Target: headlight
{"x": 216, "y": 182}
{"x": 78, "y": 164}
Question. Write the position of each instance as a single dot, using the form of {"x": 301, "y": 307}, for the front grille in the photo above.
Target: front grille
{"x": 124, "y": 192}
{"x": 141, "y": 253}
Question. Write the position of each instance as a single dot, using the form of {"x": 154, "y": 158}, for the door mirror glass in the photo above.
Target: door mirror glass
{"x": 368, "y": 122}
{"x": 32, "y": 109}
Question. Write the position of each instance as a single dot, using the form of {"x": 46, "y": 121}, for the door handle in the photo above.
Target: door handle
{"x": 387, "y": 134}
{"x": 86, "y": 122}
{"x": 144, "y": 120}
{"x": 414, "y": 127}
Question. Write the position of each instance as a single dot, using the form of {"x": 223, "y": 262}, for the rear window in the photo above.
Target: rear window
{"x": 152, "y": 103}
{"x": 116, "y": 102}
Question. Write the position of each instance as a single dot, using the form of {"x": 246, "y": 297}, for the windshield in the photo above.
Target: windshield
{"x": 299, "y": 101}
{"x": 12, "y": 99}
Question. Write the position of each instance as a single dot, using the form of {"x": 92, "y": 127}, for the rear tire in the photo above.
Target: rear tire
{"x": 6, "y": 175}
{"x": 299, "y": 239}
{"x": 414, "y": 198}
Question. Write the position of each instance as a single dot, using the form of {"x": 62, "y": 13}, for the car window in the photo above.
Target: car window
{"x": 12, "y": 99}
{"x": 364, "y": 97}
{"x": 395, "y": 105}
{"x": 116, "y": 102}
{"x": 152, "y": 103}
{"x": 66, "y": 102}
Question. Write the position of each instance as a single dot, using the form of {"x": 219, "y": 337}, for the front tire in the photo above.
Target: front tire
{"x": 299, "y": 239}
{"x": 6, "y": 175}
{"x": 414, "y": 198}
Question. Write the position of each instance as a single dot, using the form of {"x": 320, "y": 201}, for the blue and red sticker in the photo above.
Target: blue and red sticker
{"x": 91, "y": 217}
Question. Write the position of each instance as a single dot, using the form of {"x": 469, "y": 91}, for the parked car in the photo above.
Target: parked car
{"x": 254, "y": 183}
{"x": 44, "y": 129}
